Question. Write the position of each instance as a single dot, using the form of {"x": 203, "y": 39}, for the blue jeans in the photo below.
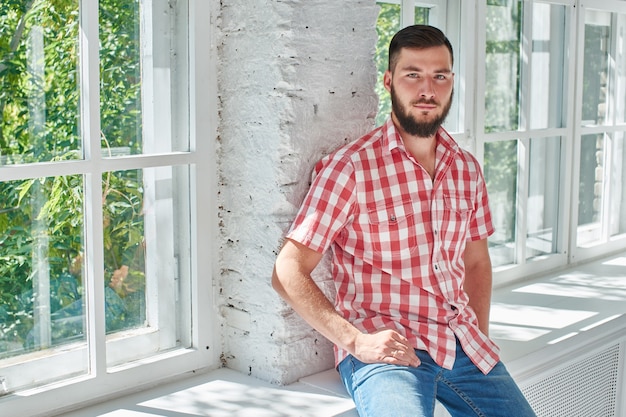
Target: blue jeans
{"x": 381, "y": 390}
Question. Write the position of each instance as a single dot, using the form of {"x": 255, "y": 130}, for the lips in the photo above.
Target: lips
{"x": 425, "y": 105}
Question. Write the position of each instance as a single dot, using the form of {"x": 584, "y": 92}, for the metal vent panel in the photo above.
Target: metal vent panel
{"x": 586, "y": 388}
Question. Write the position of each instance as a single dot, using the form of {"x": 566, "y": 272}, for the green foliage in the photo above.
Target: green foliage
{"x": 40, "y": 122}
{"x": 51, "y": 91}
{"x": 120, "y": 76}
{"x": 387, "y": 25}
{"x": 503, "y": 56}
{"x": 500, "y": 169}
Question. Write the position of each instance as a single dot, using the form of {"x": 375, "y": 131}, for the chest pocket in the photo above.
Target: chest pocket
{"x": 457, "y": 203}
{"x": 457, "y": 212}
{"x": 394, "y": 231}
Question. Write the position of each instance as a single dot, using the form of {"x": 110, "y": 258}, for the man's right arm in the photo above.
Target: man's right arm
{"x": 292, "y": 280}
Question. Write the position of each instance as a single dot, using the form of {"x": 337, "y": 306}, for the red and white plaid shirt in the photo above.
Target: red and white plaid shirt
{"x": 398, "y": 239}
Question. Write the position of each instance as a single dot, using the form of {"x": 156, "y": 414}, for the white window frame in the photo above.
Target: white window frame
{"x": 527, "y": 267}
{"x": 609, "y": 244}
{"x": 454, "y": 27}
{"x": 470, "y": 77}
{"x": 109, "y": 371}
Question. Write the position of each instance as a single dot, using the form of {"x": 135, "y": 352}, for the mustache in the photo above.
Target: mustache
{"x": 431, "y": 101}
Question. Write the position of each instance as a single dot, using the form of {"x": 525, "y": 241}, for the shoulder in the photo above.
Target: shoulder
{"x": 469, "y": 160}
{"x": 465, "y": 159}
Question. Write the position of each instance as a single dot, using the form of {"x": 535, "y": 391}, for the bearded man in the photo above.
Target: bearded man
{"x": 405, "y": 212}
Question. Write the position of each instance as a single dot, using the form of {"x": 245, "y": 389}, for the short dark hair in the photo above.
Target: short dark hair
{"x": 417, "y": 37}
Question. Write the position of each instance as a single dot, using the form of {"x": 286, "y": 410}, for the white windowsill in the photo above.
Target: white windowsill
{"x": 547, "y": 316}
{"x": 227, "y": 393}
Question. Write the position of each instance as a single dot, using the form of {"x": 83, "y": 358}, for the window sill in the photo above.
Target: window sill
{"x": 556, "y": 313}
{"x": 227, "y": 393}
{"x": 538, "y": 324}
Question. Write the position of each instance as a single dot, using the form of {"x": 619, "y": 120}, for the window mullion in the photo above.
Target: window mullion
{"x": 407, "y": 16}
{"x": 523, "y": 175}
{"x": 607, "y": 196}
{"x": 467, "y": 65}
{"x": 610, "y": 138}
{"x": 578, "y": 131}
{"x": 526, "y": 57}
{"x": 90, "y": 132}
{"x": 521, "y": 218}
{"x": 479, "y": 85}
{"x": 566, "y": 198}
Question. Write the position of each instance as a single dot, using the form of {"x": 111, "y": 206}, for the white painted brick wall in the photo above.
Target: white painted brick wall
{"x": 296, "y": 80}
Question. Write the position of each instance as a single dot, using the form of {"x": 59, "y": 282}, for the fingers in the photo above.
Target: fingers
{"x": 400, "y": 352}
{"x": 402, "y": 355}
{"x": 387, "y": 346}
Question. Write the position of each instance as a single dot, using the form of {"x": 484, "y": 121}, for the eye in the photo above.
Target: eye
{"x": 441, "y": 77}
{"x": 412, "y": 75}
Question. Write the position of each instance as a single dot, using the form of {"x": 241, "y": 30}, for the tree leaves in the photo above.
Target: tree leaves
{"x": 58, "y": 138}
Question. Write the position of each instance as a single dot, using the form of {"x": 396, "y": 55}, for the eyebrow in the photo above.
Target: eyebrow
{"x": 412, "y": 68}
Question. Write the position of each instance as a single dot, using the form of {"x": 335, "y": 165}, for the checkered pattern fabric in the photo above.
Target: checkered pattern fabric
{"x": 398, "y": 238}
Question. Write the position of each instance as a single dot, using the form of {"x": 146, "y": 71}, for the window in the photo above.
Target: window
{"x": 395, "y": 15}
{"x": 550, "y": 137}
{"x": 522, "y": 124}
{"x": 97, "y": 166}
{"x": 601, "y": 191}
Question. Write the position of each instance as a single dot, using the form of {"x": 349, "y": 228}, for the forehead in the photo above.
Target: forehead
{"x": 425, "y": 58}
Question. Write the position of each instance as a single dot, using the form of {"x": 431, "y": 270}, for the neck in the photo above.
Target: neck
{"x": 422, "y": 149}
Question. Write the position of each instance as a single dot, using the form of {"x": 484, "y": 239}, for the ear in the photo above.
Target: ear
{"x": 387, "y": 80}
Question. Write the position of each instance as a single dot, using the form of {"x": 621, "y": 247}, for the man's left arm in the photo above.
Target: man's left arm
{"x": 478, "y": 280}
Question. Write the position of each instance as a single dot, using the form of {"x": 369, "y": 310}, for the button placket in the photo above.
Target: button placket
{"x": 436, "y": 226}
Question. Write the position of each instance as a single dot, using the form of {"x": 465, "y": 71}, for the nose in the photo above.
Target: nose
{"x": 426, "y": 88}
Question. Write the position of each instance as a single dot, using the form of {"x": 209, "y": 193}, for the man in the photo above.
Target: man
{"x": 405, "y": 212}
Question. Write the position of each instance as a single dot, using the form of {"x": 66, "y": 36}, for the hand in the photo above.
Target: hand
{"x": 386, "y": 346}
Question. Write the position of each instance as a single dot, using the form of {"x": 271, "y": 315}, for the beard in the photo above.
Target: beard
{"x": 408, "y": 122}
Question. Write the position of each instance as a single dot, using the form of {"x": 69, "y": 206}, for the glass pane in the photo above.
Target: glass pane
{"x": 387, "y": 25}
{"x": 617, "y": 210}
{"x": 39, "y": 113}
{"x": 590, "y": 188}
{"x": 602, "y": 189}
{"x": 139, "y": 105}
{"x": 421, "y": 15}
{"x": 120, "y": 94}
{"x": 543, "y": 193}
{"x": 501, "y": 178}
{"x": 124, "y": 258}
{"x": 146, "y": 243}
{"x": 596, "y": 67}
{"x": 548, "y": 66}
{"x": 620, "y": 68}
{"x": 502, "y": 66}
{"x": 41, "y": 266}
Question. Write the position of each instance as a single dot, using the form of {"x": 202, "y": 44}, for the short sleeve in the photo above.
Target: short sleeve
{"x": 327, "y": 206}
{"x": 481, "y": 225}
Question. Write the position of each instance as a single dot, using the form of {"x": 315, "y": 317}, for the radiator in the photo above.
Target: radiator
{"x": 589, "y": 386}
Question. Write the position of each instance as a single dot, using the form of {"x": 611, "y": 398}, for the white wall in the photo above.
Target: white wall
{"x": 296, "y": 80}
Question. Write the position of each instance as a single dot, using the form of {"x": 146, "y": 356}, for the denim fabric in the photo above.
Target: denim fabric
{"x": 381, "y": 390}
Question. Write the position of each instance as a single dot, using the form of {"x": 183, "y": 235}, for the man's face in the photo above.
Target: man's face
{"x": 421, "y": 87}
